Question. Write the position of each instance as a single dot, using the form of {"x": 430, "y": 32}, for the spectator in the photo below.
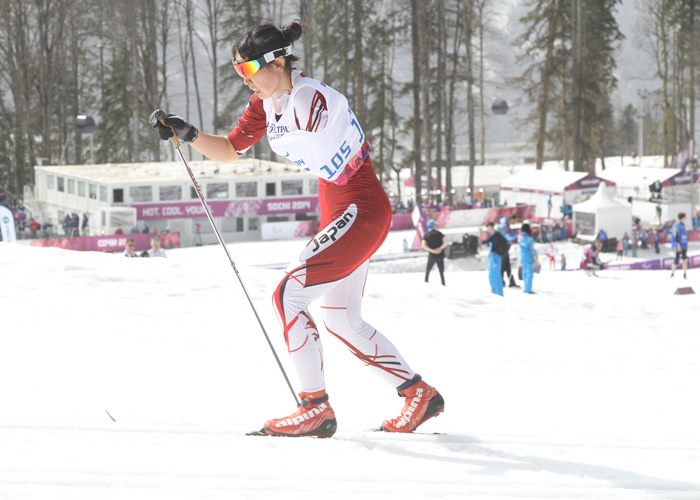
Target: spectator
{"x": 130, "y": 248}
{"x": 156, "y": 250}
{"x": 434, "y": 242}
{"x": 75, "y": 224}
{"x": 498, "y": 246}
{"x": 510, "y": 236}
{"x": 679, "y": 243}
{"x": 66, "y": 224}
{"x": 33, "y": 227}
{"x": 657, "y": 239}
{"x": 528, "y": 256}
{"x": 552, "y": 254}
{"x": 620, "y": 250}
{"x": 85, "y": 224}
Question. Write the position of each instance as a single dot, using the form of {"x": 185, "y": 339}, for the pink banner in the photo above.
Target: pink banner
{"x": 112, "y": 243}
{"x": 227, "y": 208}
{"x": 683, "y": 157}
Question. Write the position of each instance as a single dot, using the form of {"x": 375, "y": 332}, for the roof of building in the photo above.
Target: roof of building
{"x": 637, "y": 176}
{"x": 544, "y": 180}
{"x": 170, "y": 171}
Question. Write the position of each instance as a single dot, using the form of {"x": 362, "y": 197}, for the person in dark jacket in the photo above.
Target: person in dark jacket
{"x": 511, "y": 236}
{"x": 498, "y": 246}
{"x": 679, "y": 243}
{"x": 434, "y": 242}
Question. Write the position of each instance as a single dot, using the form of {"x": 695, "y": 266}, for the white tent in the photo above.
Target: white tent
{"x": 601, "y": 211}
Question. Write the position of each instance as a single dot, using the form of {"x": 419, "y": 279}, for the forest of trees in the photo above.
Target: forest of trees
{"x": 63, "y": 58}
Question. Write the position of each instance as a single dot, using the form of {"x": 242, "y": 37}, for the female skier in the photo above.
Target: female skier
{"x": 312, "y": 125}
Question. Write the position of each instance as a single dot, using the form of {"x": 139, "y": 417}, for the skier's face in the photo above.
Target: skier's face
{"x": 268, "y": 80}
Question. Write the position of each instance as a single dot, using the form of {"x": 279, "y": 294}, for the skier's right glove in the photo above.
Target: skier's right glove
{"x": 165, "y": 124}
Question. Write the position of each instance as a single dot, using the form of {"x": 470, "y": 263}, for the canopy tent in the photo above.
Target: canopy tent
{"x": 601, "y": 211}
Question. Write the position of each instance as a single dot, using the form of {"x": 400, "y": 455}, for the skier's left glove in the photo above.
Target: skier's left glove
{"x": 166, "y": 123}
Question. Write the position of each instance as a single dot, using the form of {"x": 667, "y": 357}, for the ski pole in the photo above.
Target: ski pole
{"x": 176, "y": 145}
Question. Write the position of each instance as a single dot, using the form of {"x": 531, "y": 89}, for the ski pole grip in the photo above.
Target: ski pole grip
{"x": 173, "y": 139}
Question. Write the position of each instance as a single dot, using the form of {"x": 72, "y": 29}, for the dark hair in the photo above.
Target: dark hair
{"x": 265, "y": 38}
{"x": 526, "y": 229}
{"x": 681, "y": 215}
{"x": 489, "y": 224}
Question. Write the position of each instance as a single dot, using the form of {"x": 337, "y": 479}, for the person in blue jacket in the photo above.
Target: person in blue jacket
{"x": 528, "y": 256}
{"x": 679, "y": 243}
{"x": 498, "y": 246}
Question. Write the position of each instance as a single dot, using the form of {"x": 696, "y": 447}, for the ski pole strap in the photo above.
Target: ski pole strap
{"x": 409, "y": 383}
{"x": 173, "y": 139}
{"x": 314, "y": 401}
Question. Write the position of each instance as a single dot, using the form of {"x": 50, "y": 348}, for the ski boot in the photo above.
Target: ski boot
{"x": 422, "y": 403}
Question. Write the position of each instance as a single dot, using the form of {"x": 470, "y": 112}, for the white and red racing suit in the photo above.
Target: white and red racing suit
{"x": 314, "y": 127}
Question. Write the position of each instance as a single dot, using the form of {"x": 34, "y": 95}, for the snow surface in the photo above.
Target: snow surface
{"x": 588, "y": 389}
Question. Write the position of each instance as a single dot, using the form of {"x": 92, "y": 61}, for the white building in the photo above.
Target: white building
{"x": 243, "y": 197}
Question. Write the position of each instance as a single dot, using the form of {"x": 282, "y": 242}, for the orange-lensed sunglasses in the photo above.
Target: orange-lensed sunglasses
{"x": 248, "y": 68}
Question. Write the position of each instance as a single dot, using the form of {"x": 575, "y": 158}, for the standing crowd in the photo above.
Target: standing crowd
{"x": 500, "y": 237}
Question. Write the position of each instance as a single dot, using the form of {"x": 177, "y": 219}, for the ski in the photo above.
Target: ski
{"x": 417, "y": 433}
{"x": 262, "y": 432}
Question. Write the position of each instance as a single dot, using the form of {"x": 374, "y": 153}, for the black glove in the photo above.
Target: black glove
{"x": 186, "y": 132}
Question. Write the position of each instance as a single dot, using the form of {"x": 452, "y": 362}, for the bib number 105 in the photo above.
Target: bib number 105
{"x": 340, "y": 158}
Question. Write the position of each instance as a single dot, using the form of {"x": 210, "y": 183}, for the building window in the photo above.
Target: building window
{"x": 103, "y": 193}
{"x": 292, "y": 188}
{"x": 50, "y": 182}
{"x": 232, "y": 224}
{"x": 81, "y": 189}
{"x": 92, "y": 191}
{"x": 217, "y": 190}
{"x": 71, "y": 186}
{"x": 270, "y": 189}
{"x": 140, "y": 193}
{"x": 305, "y": 216}
{"x": 118, "y": 195}
{"x": 170, "y": 193}
{"x": 193, "y": 193}
{"x": 277, "y": 218}
{"x": 253, "y": 224}
{"x": 246, "y": 190}
{"x": 313, "y": 186}
{"x": 61, "y": 184}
